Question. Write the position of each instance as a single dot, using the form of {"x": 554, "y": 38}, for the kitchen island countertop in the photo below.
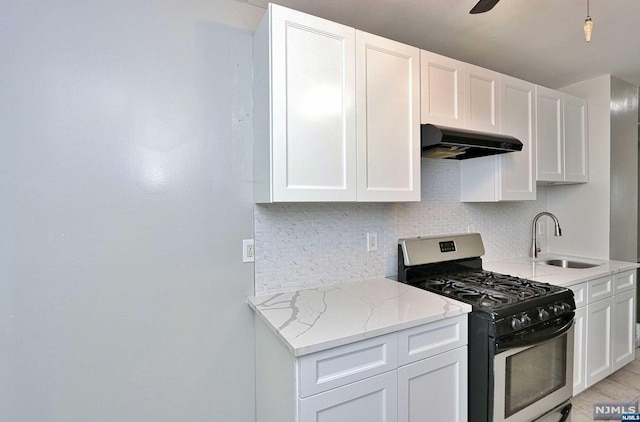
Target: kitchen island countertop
{"x": 536, "y": 270}
{"x": 316, "y": 319}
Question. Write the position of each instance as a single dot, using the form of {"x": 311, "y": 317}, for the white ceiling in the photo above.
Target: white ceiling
{"x": 541, "y": 41}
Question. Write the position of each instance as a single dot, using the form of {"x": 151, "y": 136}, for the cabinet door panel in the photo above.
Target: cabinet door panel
{"x": 549, "y": 134}
{"x": 518, "y": 169}
{"x": 388, "y": 103}
{"x": 313, "y": 103}
{"x": 482, "y": 99}
{"x": 431, "y": 339}
{"x": 624, "y": 325}
{"x": 575, "y": 139}
{"x": 600, "y": 288}
{"x": 334, "y": 367}
{"x": 434, "y": 389}
{"x": 441, "y": 80}
{"x": 598, "y": 341}
{"x": 579, "y": 346}
{"x": 372, "y": 400}
{"x": 624, "y": 281}
{"x": 580, "y": 294}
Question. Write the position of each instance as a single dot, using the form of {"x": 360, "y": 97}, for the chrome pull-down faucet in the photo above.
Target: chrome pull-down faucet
{"x": 534, "y": 241}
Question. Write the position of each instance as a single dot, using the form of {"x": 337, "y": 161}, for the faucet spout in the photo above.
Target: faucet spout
{"x": 534, "y": 241}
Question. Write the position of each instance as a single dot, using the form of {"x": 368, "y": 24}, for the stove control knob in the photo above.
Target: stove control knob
{"x": 516, "y": 324}
{"x": 525, "y": 320}
{"x": 543, "y": 314}
{"x": 557, "y": 309}
{"x": 565, "y": 307}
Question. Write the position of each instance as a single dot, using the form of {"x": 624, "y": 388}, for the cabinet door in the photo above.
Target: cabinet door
{"x": 518, "y": 169}
{"x": 512, "y": 176}
{"x": 624, "y": 327}
{"x": 579, "y": 347}
{"x": 575, "y": 139}
{"x": 434, "y": 389}
{"x": 482, "y": 99}
{"x": 598, "y": 341}
{"x": 549, "y": 135}
{"x": 373, "y": 400}
{"x": 441, "y": 81}
{"x": 388, "y": 104}
{"x": 313, "y": 108}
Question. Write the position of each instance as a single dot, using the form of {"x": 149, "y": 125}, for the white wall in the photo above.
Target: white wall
{"x": 126, "y": 185}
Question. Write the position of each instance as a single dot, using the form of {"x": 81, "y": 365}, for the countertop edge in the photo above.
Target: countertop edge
{"x": 529, "y": 268}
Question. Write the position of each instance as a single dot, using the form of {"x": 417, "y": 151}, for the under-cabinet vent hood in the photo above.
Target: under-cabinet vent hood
{"x": 460, "y": 144}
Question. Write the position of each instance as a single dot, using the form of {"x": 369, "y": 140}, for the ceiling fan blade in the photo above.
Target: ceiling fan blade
{"x": 483, "y": 6}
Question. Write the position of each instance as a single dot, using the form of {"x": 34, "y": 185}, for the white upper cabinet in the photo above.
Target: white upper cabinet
{"x": 575, "y": 140}
{"x": 518, "y": 120}
{"x": 561, "y": 137}
{"x": 510, "y": 176}
{"x": 458, "y": 94}
{"x": 442, "y": 83}
{"x": 388, "y": 119}
{"x": 482, "y": 99}
{"x": 305, "y": 113}
{"x": 549, "y": 134}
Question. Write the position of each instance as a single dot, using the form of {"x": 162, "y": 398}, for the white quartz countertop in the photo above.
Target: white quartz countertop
{"x": 538, "y": 271}
{"x": 312, "y": 320}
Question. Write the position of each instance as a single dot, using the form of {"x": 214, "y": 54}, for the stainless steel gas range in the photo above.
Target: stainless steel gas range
{"x": 520, "y": 331}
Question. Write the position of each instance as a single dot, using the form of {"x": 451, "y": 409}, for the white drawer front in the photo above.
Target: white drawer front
{"x": 624, "y": 281}
{"x": 600, "y": 288}
{"x": 580, "y": 294}
{"x": 346, "y": 364}
{"x": 372, "y": 400}
{"x": 430, "y": 339}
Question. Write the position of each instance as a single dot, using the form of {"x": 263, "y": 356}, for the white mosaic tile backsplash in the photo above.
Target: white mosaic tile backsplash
{"x": 308, "y": 245}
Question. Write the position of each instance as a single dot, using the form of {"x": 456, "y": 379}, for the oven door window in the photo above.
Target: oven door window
{"x": 534, "y": 373}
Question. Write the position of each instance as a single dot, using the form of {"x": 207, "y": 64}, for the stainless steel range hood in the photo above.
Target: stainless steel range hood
{"x": 461, "y": 144}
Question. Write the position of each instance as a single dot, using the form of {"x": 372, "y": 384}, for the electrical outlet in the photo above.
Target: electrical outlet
{"x": 372, "y": 242}
{"x": 248, "y": 252}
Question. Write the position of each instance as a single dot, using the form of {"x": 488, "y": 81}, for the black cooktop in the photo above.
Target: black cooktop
{"x": 486, "y": 289}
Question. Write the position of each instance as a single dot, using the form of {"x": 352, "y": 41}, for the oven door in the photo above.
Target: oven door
{"x": 531, "y": 380}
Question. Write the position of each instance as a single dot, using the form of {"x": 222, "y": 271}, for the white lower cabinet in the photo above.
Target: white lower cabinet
{"x": 579, "y": 345}
{"x": 411, "y": 375}
{"x": 598, "y": 341}
{"x": 372, "y": 399}
{"x": 604, "y": 338}
{"x": 623, "y": 334}
{"x": 434, "y": 389}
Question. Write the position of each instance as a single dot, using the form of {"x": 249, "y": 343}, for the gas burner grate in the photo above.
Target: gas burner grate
{"x": 487, "y": 289}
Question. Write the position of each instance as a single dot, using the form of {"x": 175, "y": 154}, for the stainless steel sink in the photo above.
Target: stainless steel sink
{"x": 566, "y": 263}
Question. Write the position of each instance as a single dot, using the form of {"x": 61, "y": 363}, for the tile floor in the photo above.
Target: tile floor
{"x": 622, "y": 385}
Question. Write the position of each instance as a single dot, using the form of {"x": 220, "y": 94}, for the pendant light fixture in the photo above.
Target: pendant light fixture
{"x": 588, "y": 25}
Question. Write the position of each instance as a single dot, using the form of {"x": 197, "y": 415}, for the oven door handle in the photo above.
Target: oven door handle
{"x": 534, "y": 336}
{"x": 565, "y": 412}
